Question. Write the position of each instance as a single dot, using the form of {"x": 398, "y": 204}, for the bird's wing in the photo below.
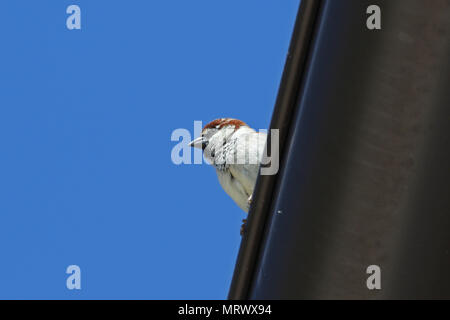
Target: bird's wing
{"x": 233, "y": 188}
{"x": 246, "y": 175}
{"x": 246, "y": 171}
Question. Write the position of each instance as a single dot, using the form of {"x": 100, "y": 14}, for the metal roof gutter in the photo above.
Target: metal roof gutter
{"x": 281, "y": 119}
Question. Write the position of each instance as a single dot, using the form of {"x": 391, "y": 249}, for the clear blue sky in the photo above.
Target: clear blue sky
{"x": 86, "y": 117}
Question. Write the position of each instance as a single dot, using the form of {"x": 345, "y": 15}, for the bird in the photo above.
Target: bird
{"x": 235, "y": 151}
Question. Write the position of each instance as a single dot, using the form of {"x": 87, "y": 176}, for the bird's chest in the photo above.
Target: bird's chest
{"x": 223, "y": 155}
{"x": 233, "y": 188}
{"x": 226, "y": 180}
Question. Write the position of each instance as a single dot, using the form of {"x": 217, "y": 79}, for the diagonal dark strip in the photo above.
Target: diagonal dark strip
{"x": 287, "y": 98}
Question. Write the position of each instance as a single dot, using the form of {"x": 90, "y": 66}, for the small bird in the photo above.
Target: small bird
{"x": 235, "y": 150}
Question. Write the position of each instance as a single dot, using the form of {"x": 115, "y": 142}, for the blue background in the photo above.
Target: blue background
{"x": 86, "y": 117}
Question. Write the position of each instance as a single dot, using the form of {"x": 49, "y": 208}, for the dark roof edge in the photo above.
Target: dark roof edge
{"x": 285, "y": 105}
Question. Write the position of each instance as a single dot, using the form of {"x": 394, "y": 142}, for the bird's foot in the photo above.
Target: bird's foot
{"x": 243, "y": 227}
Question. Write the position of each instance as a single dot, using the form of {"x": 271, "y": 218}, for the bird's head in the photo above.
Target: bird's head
{"x": 217, "y": 131}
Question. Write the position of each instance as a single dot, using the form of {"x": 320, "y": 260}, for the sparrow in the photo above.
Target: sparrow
{"x": 235, "y": 151}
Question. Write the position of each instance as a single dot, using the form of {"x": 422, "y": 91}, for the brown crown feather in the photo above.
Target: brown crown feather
{"x": 223, "y": 122}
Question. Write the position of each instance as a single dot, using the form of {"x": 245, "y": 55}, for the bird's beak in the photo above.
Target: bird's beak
{"x": 199, "y": 143}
